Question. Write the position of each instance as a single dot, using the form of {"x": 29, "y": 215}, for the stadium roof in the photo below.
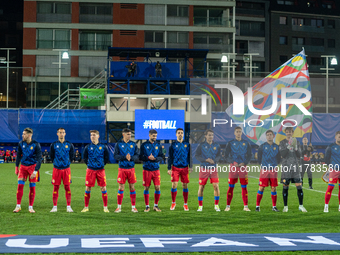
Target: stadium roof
{"x": 157, "y": 52}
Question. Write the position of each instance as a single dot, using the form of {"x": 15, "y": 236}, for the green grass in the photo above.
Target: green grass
{"x": 96, "y": 222}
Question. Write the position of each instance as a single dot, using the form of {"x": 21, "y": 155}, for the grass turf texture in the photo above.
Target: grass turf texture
{"x": 96, "y": 222}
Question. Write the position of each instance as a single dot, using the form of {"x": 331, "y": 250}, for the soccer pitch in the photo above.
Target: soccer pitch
{"x": 96, "y": 222}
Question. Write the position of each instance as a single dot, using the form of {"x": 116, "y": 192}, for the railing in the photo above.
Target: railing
{"x": 69, "y": 99}
{"x": 212, "y": 22}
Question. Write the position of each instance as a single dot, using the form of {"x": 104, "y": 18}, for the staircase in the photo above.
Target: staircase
{"x": 70, "y": 98}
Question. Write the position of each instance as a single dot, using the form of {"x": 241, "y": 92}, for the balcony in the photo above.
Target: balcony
{"x": 309, "y": 29}
{"x": 212, "y": 22}
{"x": 91, "y": 18}
{"x": 54, "y": 17}
{"x": 154, "y": 45}
{"x": 214, "y": 47}
{"x": 308, "y": 48}
{"x": 94, "y": 46}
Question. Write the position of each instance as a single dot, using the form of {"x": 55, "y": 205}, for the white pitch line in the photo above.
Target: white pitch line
{"x": 315, "y": 190}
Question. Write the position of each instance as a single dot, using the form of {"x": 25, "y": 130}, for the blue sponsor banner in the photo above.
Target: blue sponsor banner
{"x": 164, "y": 121}
{"x": 169, "y": 243}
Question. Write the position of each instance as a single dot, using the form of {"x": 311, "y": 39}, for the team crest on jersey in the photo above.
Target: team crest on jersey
{"x": 214, "y": 148}
{"x": 185, "y": 145}
{"x": 119, "y": 179}
{"x": 57, "y": 146}
{"x": 244, "y": 143}
{"x": 131, "y": 146}
{"x": 100, "y": 148}
{"x": 156, "y": 147}
{"x": 31, "y": 147}
{"x": 122, "y": 146}
{"x": 274, "y": 148}
{"x": 331, "y": 179}
{"x": 200, "y": 181}
{"x": 284, "y": 180}
{"x": 23, "y": 146}
{"x": 53, "y": 181}
{"x": 86, "y": 182}
{"x": 66, "y": 146}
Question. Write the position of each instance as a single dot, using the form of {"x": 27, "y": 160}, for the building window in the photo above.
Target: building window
{"x": 95, "y": 13}
{"x": 53, "y": 39}
{"x": 298, "y": 40}
{"x": 95, "y": 9}
{"x": 328, "y": 4}
{"x": 317, "y": 41}
{"x": 318, "y": 100}
{"x": 331, "y": 100}
{"x": 283, "y": 20}
{"x": 316, "y": 23}
{"x": 331, "y": 43}
{"x": 94, "y": 40}
{"x": 331, "y": 23}
{"x": 153, "y": 36}
{"x": 315, "y": 61}
{"x": 283, "y": 59}
{"x": 283, "y": 40}
{"x": 177, "y": 11}
{"x": 53, "y": 8}
{"x": 297, "y": 21}
{"x": 286, "y": 2}
{"x": 251, "y": 28}
{"x": 178, "y": 37}
{"x": 154, "y": 14}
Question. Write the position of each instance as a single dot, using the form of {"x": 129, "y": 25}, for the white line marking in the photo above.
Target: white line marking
{"x": 315, "y": 190}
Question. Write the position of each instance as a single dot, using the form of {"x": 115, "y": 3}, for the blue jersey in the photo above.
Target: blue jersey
{"x": 205, "y": 151}
{"x": 269, "y": 155}
{"x": 332, "y": 156}
{"x": 179, "y": 155}
{"x": 122, "y": 149}
{"x": 146, "y": 150}
{"x": 29, "y": 154}
{"x": 238, "y": 151}
{"x": 96, "y": 156}
{"x": 61, "y": 154}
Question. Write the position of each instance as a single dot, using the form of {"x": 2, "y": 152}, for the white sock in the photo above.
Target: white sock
{"x": 19, "y": 206}
{"x": 68, "y": 207}
{"x": 246, "y": 206}
{"x": 30, "y": 207}
{"x": 133, "y": 207}
{"x": 326, "y": 205}
{"x": 119, "y": 206}
{"x": 155, "y": 205}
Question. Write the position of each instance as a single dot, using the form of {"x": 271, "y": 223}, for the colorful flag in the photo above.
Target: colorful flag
{"x": 294, "y": 74}
{"x": 92, "y": 97}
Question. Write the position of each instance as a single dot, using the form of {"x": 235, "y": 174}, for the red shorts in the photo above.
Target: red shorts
{"x": 155, "y": 176}
{"x": 92, "y": 175}
{"x": 206, "y": 173}
{"x": 26, "y": 171}
{"x": 180, "y": 172}
{"x": 61, "y": 174}
{"x": 128, "y": 174}
{"x": 236, "y": 173}
{"x": 334, "y": 177}
{"x": 266, "y": 177}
